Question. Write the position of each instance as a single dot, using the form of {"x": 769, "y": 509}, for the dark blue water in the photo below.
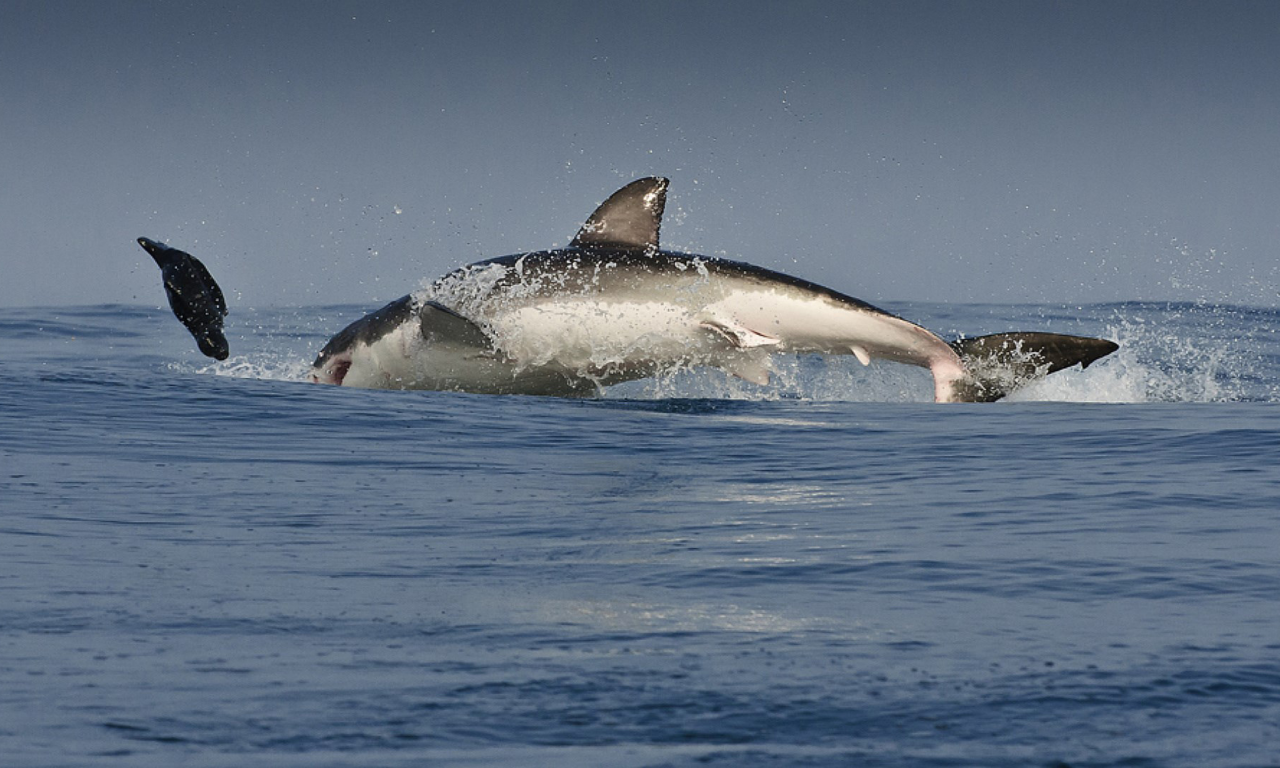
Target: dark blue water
{"x": 223, "y": 565}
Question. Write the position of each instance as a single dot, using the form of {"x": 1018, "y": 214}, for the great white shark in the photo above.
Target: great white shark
{"x": 613, "y": 307}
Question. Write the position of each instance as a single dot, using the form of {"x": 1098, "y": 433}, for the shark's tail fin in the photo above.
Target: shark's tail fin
{"x": 998, "y": 364}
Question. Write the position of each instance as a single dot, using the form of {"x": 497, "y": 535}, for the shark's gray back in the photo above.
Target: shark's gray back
{"x": 621, "y": 274}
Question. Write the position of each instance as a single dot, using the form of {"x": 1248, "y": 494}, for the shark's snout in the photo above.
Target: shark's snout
{"x": 331, "y": 370}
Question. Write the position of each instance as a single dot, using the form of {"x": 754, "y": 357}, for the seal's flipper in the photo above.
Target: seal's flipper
{"x": 213, "y": 343}
{"x": 998, "y": 364}
{"x": 629, "y": 219}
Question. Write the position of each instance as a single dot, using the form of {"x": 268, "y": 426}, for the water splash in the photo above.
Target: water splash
{"x": 262, "y": 366}
{"x": 814, "y": 378}
{"x": 1192, "y": 353}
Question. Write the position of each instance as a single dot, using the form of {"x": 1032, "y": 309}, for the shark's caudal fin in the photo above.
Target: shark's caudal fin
{"x": 998, "y": 364}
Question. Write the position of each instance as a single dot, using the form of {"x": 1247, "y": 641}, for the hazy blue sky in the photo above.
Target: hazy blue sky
{"x": 316, "y": 152}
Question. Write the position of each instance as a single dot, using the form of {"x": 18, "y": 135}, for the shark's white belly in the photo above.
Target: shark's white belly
{"x": 587, "y": 331}
{"x": 613, "y": 340}
{"x": 572, "y": 343}
{"x": 807, "y": 323}
{"x": 589, "y": 334}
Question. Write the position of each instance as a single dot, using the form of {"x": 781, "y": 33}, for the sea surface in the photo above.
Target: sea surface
{"x": 220, "y": 564}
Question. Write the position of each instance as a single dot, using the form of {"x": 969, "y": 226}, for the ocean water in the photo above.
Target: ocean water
{"x": 214, "y": 564}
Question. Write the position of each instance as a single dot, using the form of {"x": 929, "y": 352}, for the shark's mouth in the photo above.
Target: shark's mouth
{"x": 332, "y": 372}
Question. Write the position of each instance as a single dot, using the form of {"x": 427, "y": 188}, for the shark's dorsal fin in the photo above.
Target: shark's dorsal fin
{"x": 630, "y": 218}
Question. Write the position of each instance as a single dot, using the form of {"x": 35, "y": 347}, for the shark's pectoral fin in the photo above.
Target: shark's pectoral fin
{"x": 861, "y": 353}
{"x": 754, "y": 368}
{"x": 739, "y": 335}
{"x": 441, "y": 325}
